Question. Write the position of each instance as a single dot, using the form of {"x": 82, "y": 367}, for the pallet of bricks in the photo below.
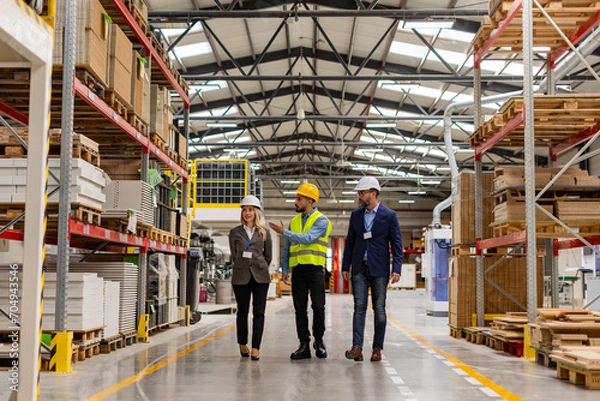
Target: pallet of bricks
{"x": 569, "y": 340}
{"x": 573, "y": 198}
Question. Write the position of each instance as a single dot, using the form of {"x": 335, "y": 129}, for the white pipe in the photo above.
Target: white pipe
{"x": 585, "y": 48}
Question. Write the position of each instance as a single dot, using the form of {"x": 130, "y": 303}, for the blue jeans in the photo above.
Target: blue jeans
{"x": 360, "y": 287}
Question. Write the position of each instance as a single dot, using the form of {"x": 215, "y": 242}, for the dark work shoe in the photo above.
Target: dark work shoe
{"x": 320, "y": 350}
{"x": 354, "y": 353}
{"x": 303, "y": 352}
{"x": 376, "y": 355}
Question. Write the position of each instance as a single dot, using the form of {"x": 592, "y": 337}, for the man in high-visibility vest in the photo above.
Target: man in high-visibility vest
{"x": 305, "y": 252}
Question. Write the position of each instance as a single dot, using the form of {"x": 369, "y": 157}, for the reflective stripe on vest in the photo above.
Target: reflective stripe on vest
{"x": 311, "y": 254}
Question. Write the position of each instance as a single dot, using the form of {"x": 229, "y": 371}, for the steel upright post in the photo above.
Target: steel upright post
{"x": 66, "y": 146}
{"x": 184, "y": 209}
{"x": 480, "y": 272}
{"x": 529, "y": 152}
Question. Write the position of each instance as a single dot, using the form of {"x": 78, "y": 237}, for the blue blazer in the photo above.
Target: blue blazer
{"x": 385, "y": 234}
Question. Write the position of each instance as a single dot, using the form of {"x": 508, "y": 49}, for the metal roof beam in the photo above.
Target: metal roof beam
{"x": 404, "y": 14}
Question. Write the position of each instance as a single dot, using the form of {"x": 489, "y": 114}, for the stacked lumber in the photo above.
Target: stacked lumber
{"x": 558, "y": 330}
{"x": 509, "y": 328}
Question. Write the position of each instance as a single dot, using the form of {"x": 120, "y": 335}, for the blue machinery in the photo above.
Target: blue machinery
{"x": 435, "y": 270}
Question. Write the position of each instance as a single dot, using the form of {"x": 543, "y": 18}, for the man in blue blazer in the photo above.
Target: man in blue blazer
{"x": 373, "y": 230}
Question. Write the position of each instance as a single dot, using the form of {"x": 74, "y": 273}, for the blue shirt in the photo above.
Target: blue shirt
{"x": 318, "y": 230}
{"x": 369, "y": 217}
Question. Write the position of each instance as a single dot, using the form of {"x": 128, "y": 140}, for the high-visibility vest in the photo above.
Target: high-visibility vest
{"x": 311, "y": 254}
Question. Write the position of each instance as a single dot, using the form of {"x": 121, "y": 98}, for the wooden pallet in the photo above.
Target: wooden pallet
{"x": 569, "y": 15}
{"x": 494, "y": 342}
{"x": 161, "y": 236}
{"x": 475, "y": 334}
{"x": 542, "y": 357}
{"x": 457, "y": 333}
{"x": 172, "y": 154}
{"x": 139, "y": 124}
{"x": 138, "y": 17}
{"x": 12, "y": 151}
{"x": 87, "y": 77}
{"x": 557, "y": 118}
{"x": 109, "y": 344}
{"x": 159, "y": 48}
{"x": 88, "y": 351}
{"x": 157, "y": 140}
{"x": 182, "y": 161}
{"x": 578, "y": 375}
{"x": 127, "y": 338}
{"x": 86, "y": 214}
{"x": 116, "y": 102}
{"x": 121, "y": 225}
{"x": 555, "y": 193}
{"x": 547, "y": 229}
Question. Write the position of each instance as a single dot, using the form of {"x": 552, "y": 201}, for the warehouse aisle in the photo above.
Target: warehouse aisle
{"x": 421, "y": 362}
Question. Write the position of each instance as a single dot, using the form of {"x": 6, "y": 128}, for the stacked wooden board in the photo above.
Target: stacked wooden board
{"x": 570, "y": 339}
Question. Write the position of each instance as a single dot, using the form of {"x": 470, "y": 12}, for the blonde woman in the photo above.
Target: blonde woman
{"x": 251, "y": 253}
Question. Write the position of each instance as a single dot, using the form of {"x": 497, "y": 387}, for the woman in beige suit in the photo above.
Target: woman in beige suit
{"x": 251, "y": 253}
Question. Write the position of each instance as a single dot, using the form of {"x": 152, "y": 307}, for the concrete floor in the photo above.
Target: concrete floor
{"x": 421, "y": 362}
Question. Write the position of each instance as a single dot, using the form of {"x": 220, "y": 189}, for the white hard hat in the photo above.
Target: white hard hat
{"x": 367, "y": 183}
{"x": 250, "y": 200}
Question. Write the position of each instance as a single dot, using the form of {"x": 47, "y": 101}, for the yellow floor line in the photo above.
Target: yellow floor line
{"x": 157, "y": 366}
{"x": 501, "y": 391}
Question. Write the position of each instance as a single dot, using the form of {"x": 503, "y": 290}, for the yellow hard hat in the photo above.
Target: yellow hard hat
{"x": 309, "y": 190}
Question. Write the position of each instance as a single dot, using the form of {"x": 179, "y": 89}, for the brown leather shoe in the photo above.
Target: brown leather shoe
{"x": 244, "y": 351}
{"x": 354, "y": 353}
{"x": 376, "y": 355}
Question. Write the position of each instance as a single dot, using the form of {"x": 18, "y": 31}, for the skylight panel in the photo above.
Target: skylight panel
{"x": 195, "y": 49}
{"x": 208, "y": 86}
{"x": 176, "y": 32}
{"x": 215, "y": 112}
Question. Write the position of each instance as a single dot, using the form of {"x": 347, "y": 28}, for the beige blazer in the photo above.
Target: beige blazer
{"x": 258, "y": 265}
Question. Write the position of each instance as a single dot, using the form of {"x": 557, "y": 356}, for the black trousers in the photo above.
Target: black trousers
{"x": 243, "y": 293}
{"x": 309, "y": 279}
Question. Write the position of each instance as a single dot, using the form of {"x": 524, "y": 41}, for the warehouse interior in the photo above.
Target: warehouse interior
{"x": 478, "y": 118}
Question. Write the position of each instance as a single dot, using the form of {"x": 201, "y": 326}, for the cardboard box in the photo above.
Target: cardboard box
{"x": 92, "y": 38}
{"x": 137, "y": 84}
{"x": 463, "y": 207}
{"x": 158, "y": 123}
{"x": 120, "y": 51}
{"x": 510, "y": 275}
{"x": 182, "y": 146}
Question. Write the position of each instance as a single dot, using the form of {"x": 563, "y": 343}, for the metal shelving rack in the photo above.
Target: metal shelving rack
{"x": 71, "y": 227}
{"x": 524, "y": 8}
{"x": 28, "y": 38}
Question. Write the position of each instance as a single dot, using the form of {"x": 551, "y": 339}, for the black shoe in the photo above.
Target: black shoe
{"x": 303, "y": 352}
{"x": 320, "y": 350}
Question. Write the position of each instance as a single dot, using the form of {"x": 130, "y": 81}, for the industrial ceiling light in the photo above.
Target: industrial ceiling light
{"x": 406, "y": 201}
{"x": 290, "y": 181}
{"x": 346, "y": 200}
{"x": 351, "y": 182}
{"x": 429, "y": 24}
{"x": 221, "y": 125}
{"x": 430, "y": 182}
{"x": 381, "y": 125}
{"x": 418, "y": 192}
{"x": 398, "y": 85}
